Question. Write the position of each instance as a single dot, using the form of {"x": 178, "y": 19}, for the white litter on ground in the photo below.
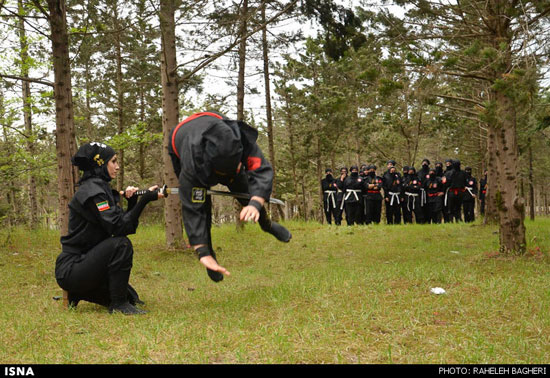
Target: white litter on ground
{"x": 438, "y": 290}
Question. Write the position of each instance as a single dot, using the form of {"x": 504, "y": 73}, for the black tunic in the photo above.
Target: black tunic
{"x": 196, "y": 175}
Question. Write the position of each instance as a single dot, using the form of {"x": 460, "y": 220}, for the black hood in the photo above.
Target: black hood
{"x": 92, "y": 158}
{"x": 223, "y": 149}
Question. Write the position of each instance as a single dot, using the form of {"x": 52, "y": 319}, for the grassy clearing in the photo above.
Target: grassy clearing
{"x": 333, "y": 295}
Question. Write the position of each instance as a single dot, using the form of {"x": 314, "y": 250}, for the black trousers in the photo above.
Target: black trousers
{"x": 455, "y": 205}
{"x": 101, "y": 276}
{"x": 373, "y": 210}
{"x": 407, "y": 213}
{"x": 469, "y": 213}
{"x": 353, "y": 212}
{"x": 413, "y": 206}
{"x": 435, "y": 210}
{"x": 393, "y": 212}
{"x": 338, "y": 213}
{"x": 330, "y": 210}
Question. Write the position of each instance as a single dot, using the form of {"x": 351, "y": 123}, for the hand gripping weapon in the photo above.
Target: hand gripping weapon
{"x": 167, "y": 191}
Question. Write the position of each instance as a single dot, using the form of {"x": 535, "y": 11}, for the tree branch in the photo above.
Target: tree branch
{"x": 234, "y": 43}
{"x": 461, "y": 99}
{"x": 31, "y": 80}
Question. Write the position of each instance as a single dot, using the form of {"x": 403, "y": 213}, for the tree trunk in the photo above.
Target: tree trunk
{"x": 64, "y": 113}
{"x": 27, "y": 116}
{"x": 491, "y": 213}
{"x": 510, "y": 205}
{"x": 278, "y": 213}
{"x": 170, "y": 110}
{"x": 241, "y": 88}
{"x": 531, "y": 187}
{"x": 242, "y": 61}
{"x": 120, "y": 95}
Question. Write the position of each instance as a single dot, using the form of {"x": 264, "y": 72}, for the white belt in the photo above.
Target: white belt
{"x": 446, "y": 194}
{"x": 409, "y": 195}
{"x": 354, "y": 191}
{"x": 470, "y": 191}
{"x": 423, "y": 198}
{"x": 394, "y": 196}
{"x": 330, "y": 197}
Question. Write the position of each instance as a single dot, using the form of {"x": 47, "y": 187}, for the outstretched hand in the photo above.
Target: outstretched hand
{"x": 210, "y": 263}
{"x": 249, "y": 213}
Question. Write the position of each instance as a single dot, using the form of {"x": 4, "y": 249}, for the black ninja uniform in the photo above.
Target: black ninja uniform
{"x": 407, "y": 214}
{"x": 456, "y": 179}
{"x": 423, "y": 175}
{"x": 206, "y": 149}
{"x": 468, "y": 201}
{"x": 392, "y": 192}
{"x": 353, "y": 187}
{"x": 340, "y": 197}
{"x": 96, "y": 257}
{"x": 412, "y": 188}
{"x": 373, "y": 203}
{"x": 435, "y": 190}
{"x": 330, "y": 189}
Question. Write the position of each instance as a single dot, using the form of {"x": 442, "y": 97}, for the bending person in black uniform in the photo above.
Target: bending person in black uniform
{"x": 209, "y": 149}
{"x": 96, "y": 257}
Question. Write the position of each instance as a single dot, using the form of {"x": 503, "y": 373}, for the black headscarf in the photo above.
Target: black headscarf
{"x": 92, "y": 158}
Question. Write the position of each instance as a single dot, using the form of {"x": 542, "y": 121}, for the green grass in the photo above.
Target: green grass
{"x": 333, "y": 295}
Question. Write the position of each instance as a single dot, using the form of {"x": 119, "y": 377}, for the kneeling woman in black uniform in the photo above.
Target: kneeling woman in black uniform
{"x": 96, "y": 257}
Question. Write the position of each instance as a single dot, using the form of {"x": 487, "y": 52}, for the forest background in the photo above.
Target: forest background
{"x": 326, "y": 83}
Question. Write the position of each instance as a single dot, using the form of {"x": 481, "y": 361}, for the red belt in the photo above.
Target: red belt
{"x": 457, "y": 190}
{"x": 434, "y": 194}
{"x": 373, "y": 191}
{"x": 483, "y": 191}
{"x": 190, "y": 118}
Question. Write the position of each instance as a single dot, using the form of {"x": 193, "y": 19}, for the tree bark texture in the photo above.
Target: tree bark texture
{"x": 64, "y": 113}
{"x": 27, "y": 115}
{"x": 170, "y": 118}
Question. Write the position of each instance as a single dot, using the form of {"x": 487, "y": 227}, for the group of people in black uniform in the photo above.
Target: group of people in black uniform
{"x": 443, "y": 193}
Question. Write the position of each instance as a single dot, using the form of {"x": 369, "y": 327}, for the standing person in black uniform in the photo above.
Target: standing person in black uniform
{"x": 439, "y": 169}
{"x": 96, "y": 258}
{"x": 435, "y": 191}
{"x": 328, "y": 184}
{"x": 470, "y": 196}
{"x": 446, "y": 205}
{"x": 209, "y": 149}
{"x": 407, "y": 214}
{"x": 373, "y": 203}
{"x": 423, "y": 175}
{"x": 482, "y": 193}
{"x": 412, "y": 198}
{"x": 455, "y": 194}
{"x": 392, "y": 193}
{"x": 353, "y": 196}
{"x": 340, "y": 195}
{"x": 363, "y": 174}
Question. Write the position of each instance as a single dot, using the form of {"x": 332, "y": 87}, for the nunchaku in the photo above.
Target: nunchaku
{"x": 165, "y": 191}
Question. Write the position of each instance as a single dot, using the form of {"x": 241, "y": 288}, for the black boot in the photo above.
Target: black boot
{"x": 133, "y": 297}
{"x": 274, "y": 228}
{"x": 118, "y": 289}
{"x": 73, "y": 299}
{"x": 214, "y": 276}
{"x": 127, "y": 309}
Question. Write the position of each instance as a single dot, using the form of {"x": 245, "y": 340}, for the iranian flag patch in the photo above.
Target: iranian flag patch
{"x": 102, "y": 206}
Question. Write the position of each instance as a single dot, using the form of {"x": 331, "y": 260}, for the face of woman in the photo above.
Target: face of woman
{"x": 113, "y": 167}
